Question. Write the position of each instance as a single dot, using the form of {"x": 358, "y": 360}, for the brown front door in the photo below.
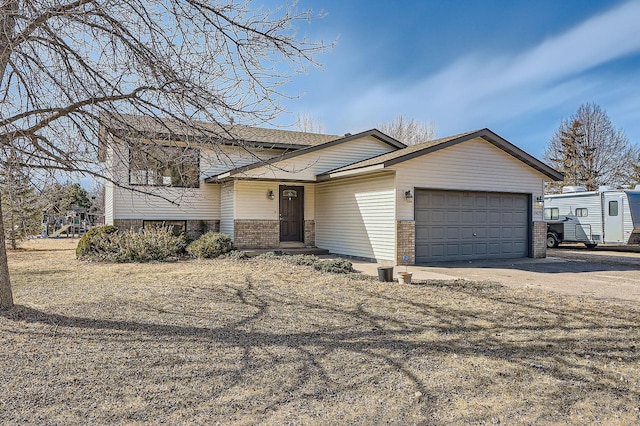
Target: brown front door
{"x": 291, "y": 213}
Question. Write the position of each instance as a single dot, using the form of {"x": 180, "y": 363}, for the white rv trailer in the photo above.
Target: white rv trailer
{"x": 593, "y": 217}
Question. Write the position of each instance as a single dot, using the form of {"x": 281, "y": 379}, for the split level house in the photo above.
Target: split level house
{"x": 469, "y": 196}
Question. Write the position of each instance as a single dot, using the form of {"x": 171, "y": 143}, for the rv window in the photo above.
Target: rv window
{"x": 613, "y": 208}
{"x": 552, "y": 213}
{"x": 582, "y": 212}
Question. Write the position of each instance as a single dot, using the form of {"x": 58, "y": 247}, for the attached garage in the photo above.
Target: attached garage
{"x": 468, "y": 225}
{"x": 466, "y": 197}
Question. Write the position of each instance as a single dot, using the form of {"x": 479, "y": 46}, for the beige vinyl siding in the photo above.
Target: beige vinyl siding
{"x": 222, "y": 158}
{"x": 108, "y": 189}
{"x": 252, "y": 202}
{"x": 108, "y": 203}
{"x": 357, "y": 217}
{"x": 307, "y": 166}
{"x": 227, "y": 208}
{"x": 474, "y": 165}
{"x": 169, "y": 203}
{"x": 178, "y": 203}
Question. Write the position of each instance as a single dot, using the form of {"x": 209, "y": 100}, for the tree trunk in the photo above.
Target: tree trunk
{"x": 6, "y": 296}
{"x": 8, "y": 11}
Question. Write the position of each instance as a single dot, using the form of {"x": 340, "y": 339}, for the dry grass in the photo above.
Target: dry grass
{"x": 262, "y": 341}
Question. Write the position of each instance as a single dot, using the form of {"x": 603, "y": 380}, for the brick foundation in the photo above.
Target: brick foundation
{"x": 309, "y": 233}
{"x": 128, "y": 224}
{"x": 256, "y": 233}
{"x": 539, "y": 240}
{"x": 405, "y": 241}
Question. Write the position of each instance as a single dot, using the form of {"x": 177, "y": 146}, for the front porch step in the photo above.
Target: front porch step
{"x": 291, "y": 251}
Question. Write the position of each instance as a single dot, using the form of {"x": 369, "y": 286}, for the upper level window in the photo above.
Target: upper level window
{"x": 552, "y": 213}
{"x": 582, "y": 212}
{"x": 157, "y": 165}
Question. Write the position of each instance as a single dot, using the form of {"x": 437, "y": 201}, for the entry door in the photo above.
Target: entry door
{"x": 613, "y": 219}
{"x": 291, "y": 213}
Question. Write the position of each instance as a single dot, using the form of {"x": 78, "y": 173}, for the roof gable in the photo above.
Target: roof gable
{"x": 426, "y": 148}
{"x": 373, "y": 133}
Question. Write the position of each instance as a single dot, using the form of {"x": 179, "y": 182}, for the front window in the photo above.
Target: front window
{"x": 156, "y": 165}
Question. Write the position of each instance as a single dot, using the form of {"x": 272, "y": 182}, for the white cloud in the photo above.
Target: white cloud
{"x": 475, "y": 89}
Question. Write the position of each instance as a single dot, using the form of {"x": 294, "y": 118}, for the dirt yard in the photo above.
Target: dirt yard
{"x": 261, "y": 341}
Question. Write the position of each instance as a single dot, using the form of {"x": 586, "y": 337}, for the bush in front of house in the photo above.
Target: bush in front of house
{"x": 87, "y": 244}
{"x": 335, "y": 266}
{"x": 211, "y": 245}
{"x": 151, "y": 244}
{"x": 146, "y": 245}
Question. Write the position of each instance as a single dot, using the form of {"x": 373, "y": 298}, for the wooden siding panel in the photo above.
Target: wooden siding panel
{"x": 307, "y": 166}
{"x": 475, "y": 165}
{"x": 357, "y": 217}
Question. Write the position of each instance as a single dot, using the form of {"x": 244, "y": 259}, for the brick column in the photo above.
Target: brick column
{"x": 309, "y": 233}
{"x": 539, "y": 240}
{"x": 405, "y": 241}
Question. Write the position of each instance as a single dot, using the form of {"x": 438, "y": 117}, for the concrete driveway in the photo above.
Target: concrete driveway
{"x": 600, "y": 274}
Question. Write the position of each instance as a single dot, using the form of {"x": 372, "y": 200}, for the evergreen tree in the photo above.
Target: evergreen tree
{"x": 589, "y": 150}
{"x": 21, "y": 210}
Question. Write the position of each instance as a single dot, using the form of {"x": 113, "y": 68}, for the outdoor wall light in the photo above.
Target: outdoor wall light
{"x": 408, "y": 196}
{"x": 270, "y": 194}
{"x": 539, "y": 201}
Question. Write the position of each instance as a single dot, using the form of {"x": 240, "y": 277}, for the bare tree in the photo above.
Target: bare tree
{"x": 589, "y": 150}
{"x": 21, "y": 206}
{"x": 68, "y": 67}
{"x": 308, "y": 124}
{"x": 408, "y": 130}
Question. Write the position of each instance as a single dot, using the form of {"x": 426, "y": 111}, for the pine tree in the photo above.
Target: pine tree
{"x": 21, "y": 210}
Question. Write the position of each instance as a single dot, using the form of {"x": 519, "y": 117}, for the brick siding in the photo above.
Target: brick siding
{"x": 539, "y": 237}
{"x": 256, "y": 233}
{"x": 405, "y": 241}
{"x": 309, "y": 233}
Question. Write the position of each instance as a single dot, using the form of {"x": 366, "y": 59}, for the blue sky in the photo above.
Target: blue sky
{"x": 517, "y": 67}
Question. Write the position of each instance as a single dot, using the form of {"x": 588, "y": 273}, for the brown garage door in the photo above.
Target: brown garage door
{"x": 466, "y": 225}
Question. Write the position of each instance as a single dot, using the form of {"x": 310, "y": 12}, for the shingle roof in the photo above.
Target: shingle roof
{"x": 413, "y": 151}
{"x": 155, "y": 128}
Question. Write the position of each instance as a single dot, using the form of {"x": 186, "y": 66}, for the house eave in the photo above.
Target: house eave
{"x": 363, "y": 170}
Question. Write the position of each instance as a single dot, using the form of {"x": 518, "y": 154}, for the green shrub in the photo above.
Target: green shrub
{"x": 149, "y": 244}
{"x": 211, "y": 245}
{"x": 86, "y": 245}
